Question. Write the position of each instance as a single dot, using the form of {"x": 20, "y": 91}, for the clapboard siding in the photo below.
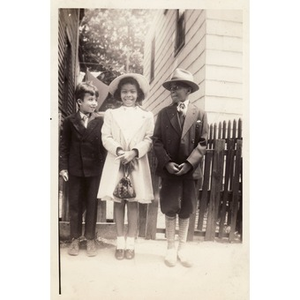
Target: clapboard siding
{"x": 224, "y": 89}
{"x": 222, "y": 73}
{"x": 224, "y": 105}
{"x": 213, "y": 53}
{"x": 68, "y": 68}
{"x": 224, "y": 28}
{"x": 224, "y": 58}
{"x": 224, "y": 64}
{"x": 225, "y": 15}
{"x": 165, "y": 61}
{"x": 224, "y": 43}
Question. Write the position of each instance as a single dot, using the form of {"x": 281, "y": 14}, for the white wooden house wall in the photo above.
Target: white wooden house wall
{"x": 213, "y": 53}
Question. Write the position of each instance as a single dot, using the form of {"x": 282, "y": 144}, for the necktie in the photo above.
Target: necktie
{"x": 180, "y": 109}
{"x": 85, "y": 120}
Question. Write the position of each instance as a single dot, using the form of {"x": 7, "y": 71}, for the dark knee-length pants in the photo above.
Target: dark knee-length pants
{"x": 178, "y": 196}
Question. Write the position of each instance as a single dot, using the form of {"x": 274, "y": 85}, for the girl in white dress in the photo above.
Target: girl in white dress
{"x": 126, "y": 135}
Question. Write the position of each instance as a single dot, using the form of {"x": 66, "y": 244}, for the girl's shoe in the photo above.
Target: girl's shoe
{"x": 129, "y": 253}
{"x": 119, "y": 254}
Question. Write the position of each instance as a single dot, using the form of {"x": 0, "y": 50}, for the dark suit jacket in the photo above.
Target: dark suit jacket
{"x": 170, "y": 143}
{"x": 81, "y": 149}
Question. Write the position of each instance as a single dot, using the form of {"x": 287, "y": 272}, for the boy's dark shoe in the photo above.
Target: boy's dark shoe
{"x": 91, "y": 248}
{"x": 74, "y": 247}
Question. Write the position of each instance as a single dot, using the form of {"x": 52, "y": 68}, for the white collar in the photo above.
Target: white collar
{"x": 83, "y": 115}
{"x": 186, "y": 102}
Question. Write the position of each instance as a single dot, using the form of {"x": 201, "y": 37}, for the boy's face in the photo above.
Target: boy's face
{"x": 179, "y": 92}
{"x": 88, "y": 104}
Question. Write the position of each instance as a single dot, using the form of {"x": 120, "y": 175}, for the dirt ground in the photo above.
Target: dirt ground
{"x": 220, "y": 272}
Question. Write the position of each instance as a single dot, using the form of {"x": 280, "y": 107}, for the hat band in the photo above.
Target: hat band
{"x": 180, "y": 78}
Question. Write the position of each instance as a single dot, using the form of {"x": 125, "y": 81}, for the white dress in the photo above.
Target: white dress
{"x": 128, "y": 128}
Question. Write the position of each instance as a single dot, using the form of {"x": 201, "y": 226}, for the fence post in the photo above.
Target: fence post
{"x": 216, "y": 185}
{"x": 205, "y": 188}
{"x": 228, "y": 179}
{"x": 142, "y": 219}
{"x": 152, "y": 210}
{"x": 192, "y": 222}
{"x": 235, "y": 189}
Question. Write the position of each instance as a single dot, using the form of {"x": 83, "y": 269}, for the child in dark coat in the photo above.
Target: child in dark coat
{"x": 179, "y": 141}
{"x": 80, "y": 163}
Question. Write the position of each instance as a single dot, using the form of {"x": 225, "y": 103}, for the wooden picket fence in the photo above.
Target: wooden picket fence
{"x": 220, "y": 198}
{"x": 219, "y": 210}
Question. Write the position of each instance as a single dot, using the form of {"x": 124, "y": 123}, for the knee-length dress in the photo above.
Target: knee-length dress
{"x": 128, "y": 128}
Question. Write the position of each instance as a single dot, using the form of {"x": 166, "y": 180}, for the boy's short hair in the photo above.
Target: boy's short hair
{"x": 85, "y": 87}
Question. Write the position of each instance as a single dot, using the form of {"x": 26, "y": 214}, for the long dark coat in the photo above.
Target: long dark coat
{"x": 81, "y": 149}
{"x": 171, "y": 143}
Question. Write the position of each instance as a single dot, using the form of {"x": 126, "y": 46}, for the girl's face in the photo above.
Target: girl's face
{"x": 129, "y": 94}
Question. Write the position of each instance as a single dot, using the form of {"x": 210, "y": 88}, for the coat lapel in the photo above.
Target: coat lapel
{"x": 190, "y": 118}
{"x": 173, "y": 117}
{"x": 91, "y": 124}
{"x": 76, "y": 120}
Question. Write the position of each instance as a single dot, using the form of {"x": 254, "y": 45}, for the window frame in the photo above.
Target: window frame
{"x": 152, "y": 60}
{"x": 180, "y": 30}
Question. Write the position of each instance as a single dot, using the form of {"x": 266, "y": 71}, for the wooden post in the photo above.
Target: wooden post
{"x": 234, "y": 130}
{"x": 142, "y": 220}
{"x": 152, "y": 208}
{"x": 235, "y": 196}
{"x": 239, "y": 129}
{"x": 215, "y": 135}
{"x": 192, "y": 222}
{"x": 228, "y": 178}
{"x": 210, "y": 140}
{"x": 224, "y": 131}
{"x": 152, "y": 211}
{"x": 205, "y": 188}
{"x": 101, "y": 211}
{"x": 217, "y": 176}
{"x": 219, "y": 130}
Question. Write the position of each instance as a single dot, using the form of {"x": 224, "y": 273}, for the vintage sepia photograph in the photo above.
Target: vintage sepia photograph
{"x": 149, "y": 171}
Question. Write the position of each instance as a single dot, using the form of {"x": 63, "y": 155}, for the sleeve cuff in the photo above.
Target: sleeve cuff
{"x": 136, "y": 151}
{"x": 118, "y": 149}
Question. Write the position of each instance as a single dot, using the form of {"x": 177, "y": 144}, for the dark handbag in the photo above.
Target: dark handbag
{"x": 124, "y": 189}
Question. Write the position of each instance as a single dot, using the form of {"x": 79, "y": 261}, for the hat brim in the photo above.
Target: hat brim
{"x": 142, "y": 81}
{"x": 193, "y": 85}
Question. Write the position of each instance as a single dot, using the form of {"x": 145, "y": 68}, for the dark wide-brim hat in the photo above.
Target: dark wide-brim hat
{"x": 142, "y": 81}
{"x": 181, "y": 75}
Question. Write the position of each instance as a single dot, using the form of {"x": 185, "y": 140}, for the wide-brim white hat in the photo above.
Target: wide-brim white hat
{"x": 181, "y": 75}
{"x": 142, "y": 81}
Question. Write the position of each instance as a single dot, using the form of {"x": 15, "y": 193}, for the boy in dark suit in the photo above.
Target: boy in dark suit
{"x": 80, "y": 162}
{"x": 179, "y": 141}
